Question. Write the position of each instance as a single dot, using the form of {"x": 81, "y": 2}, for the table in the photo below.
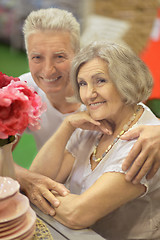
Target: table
{"x": 60, "y": 232}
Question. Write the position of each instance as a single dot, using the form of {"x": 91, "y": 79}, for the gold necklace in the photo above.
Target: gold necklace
{"x": 125, "y": 128}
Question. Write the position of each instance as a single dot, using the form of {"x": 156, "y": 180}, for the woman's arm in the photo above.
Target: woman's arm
{"x": 55, "y": 162}
{"x": 108, "y": 193}
{"x": 50, "y": 157}
{"x": 144, "y": 158}
{"x": 36, "y": 183}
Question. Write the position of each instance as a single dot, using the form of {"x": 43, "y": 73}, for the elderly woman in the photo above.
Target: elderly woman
{"x": 112, "y": 82}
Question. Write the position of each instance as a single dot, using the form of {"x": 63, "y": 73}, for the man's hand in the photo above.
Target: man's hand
{"x": 39, "y": 189}
{"x": 144, "y": 157}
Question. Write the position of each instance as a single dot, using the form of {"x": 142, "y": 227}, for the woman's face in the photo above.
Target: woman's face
{"x": 98, "y": 92}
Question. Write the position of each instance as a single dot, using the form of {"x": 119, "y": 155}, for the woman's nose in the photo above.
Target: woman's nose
{"x": 91, "y": 92}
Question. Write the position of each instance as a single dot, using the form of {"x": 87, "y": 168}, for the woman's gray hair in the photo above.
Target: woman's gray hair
{"x": 127, "y": 71}
{"x": 53, "y": 19}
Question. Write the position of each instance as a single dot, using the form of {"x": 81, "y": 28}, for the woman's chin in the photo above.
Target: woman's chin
{"x": 98, "y": 118}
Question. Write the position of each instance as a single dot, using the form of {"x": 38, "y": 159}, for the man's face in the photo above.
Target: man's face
{"x": 50, "y": 55}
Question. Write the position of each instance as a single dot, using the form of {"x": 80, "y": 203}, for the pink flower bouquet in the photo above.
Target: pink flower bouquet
{"x": 20, "y": 107}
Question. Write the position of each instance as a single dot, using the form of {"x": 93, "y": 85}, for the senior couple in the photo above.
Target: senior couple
{"x": 90, "y": 152}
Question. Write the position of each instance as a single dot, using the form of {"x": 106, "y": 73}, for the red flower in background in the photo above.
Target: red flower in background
{"x": 20, "y": 107}
{"x": 5, "y": 80}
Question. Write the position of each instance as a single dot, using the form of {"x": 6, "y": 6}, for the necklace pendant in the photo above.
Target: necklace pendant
{"x": 98, "y": 159}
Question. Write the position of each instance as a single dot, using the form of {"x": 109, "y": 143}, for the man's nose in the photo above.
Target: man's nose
{"x": 49, "y": 68}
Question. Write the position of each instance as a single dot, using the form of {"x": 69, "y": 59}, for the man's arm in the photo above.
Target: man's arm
{"x": 144, "y": 157}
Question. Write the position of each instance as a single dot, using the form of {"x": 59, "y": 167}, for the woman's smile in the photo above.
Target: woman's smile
{"x": 95, "y": 105}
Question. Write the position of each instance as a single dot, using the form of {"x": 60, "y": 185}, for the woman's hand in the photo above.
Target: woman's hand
{"x": 144, "y": 157}
{"x": 39, "y": 189}
{"x": 84, "y": 121}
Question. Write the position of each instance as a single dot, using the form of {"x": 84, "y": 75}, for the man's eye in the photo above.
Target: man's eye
{"x": 60, "y": 58}
{"x": 36, "y": 57}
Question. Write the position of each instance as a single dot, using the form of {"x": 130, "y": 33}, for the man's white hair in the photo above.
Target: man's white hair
{"x": 52, "y": 19}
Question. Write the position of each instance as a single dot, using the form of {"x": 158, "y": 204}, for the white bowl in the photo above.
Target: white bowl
{"x": 8, "y": 187}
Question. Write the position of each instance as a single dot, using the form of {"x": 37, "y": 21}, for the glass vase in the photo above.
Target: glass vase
{"x": 6, "y": 161}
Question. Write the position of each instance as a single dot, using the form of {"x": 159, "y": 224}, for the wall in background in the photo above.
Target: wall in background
{"x": 135, "y": 23}
{"x": 14, "y": 12}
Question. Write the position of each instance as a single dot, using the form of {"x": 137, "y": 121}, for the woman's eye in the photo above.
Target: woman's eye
{"x": 101, "y": 80}
{"x": 81, "y": 83}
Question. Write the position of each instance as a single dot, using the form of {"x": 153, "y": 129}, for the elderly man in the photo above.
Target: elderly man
{"x": 52, "y": 38}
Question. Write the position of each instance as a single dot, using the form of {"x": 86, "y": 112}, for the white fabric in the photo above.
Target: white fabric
{"x": 139, "y": 219}
{"x": 50, "y": 120}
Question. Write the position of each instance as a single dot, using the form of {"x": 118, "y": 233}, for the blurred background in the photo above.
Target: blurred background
{"x": 135, "y": 23}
